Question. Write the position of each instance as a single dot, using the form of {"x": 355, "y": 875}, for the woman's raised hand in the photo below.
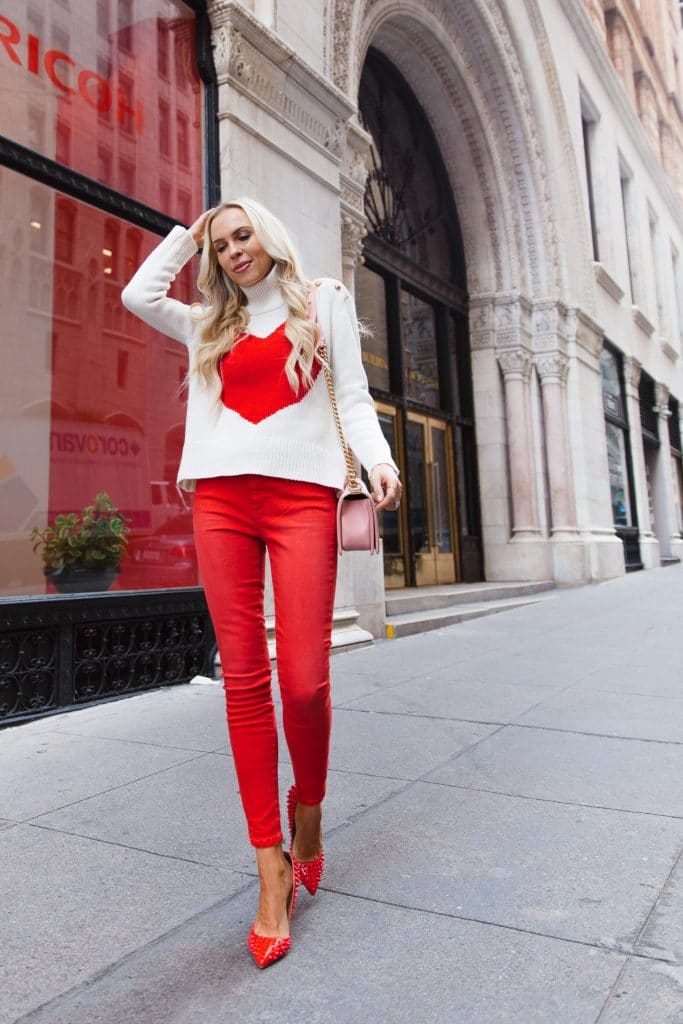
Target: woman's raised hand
{"x": 197, "y": 229}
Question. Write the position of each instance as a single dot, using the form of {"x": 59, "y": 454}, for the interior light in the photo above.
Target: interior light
{"x": 107, "y": 270}
{"x": 36, "y": 224}
{"x": 106, "y": 252}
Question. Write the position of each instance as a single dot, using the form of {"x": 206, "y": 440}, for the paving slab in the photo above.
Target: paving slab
{"x": 441, "y": 697}
{"x": 397, "y": 746}
{"x": 631, "y": 775}
{"x": 187, "y": 717}
{"x": 613, "y": 714}
{"x": 395, "y": 661}
{"x": 649, "y": 680}
{"x": 202, "y": 817}
{"x": 571, "y": 872}
{"x": 517, "y": 667}
{"x": 647, "y": 993}
{"x": 662, "y": 936}
{"x": 70, "y": 907}
{"x": 348, "y": 963}
{"x": 45, "y": 770}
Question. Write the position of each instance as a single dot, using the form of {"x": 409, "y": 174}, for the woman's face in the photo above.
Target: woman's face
{"x": 237, "y": 248}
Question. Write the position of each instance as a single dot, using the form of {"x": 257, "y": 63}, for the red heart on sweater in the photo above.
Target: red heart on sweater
{"x": 255, "y": 384}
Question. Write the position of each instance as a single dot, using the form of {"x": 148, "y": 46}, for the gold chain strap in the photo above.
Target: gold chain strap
{"x": 352, "y": 480}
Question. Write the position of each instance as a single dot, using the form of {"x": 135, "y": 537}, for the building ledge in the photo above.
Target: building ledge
{"x": 669, "y": 351}
{"x": 605, "y": 279}
{"x": 642, "y": 321}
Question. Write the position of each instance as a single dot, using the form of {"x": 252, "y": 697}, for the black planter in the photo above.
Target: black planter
{"x": 76, "y": 579}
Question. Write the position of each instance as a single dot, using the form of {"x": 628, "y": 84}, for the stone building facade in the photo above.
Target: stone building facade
{"x": 501, "y": 185}
{"x": 498, "y": 183}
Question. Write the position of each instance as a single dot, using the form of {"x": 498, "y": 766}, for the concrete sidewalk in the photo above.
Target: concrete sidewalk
{"x": 504, "y": 829}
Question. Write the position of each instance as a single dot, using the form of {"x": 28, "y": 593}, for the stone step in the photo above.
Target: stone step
{"x": 410, "y": 623}
{"x": 417, "y": 599}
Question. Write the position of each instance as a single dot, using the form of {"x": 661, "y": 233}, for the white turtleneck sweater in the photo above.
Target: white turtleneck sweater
{"x": 298, "y": 440}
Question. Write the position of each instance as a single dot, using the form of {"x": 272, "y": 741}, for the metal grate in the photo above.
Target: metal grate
{"x": 28, "y": 671}
{"x": 127, "y": 656}
{"x": 66, "y": 651}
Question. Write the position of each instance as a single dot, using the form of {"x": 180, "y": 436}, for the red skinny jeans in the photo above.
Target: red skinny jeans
{"x": 236, "y": 519}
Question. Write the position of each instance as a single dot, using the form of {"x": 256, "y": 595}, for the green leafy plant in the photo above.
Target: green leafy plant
{"x": 96, "y": 538}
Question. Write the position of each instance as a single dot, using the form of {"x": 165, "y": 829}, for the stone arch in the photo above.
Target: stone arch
{"x": 464, "y": 60}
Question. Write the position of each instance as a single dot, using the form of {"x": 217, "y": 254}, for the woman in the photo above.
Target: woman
{"x": 263, "y": 456}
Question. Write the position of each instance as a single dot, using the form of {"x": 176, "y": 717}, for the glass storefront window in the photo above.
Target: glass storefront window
{"x": 90, "y": 396}
{"x": 371, "y": 306}
{"x": 418, "y": 508}
{"x": 420, "y": 365}
{"x": 97, "y": 87}
{"x": 611, "y": 384}
{"x": 618, "y": 479}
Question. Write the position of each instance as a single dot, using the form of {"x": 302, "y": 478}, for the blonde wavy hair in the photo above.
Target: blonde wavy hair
{"x": 225, "y": 315}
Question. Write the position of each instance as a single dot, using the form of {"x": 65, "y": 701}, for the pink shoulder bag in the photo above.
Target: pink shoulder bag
{"x": 357, "y": 528}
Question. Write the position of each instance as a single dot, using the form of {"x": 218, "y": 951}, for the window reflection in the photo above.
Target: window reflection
{"x": 371, "y": 306}
{"x": 89, "y": 401}
{"x": 109, "y": 93}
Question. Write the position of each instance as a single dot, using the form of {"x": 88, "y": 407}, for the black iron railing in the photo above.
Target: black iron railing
{"x": 63, "y": 652}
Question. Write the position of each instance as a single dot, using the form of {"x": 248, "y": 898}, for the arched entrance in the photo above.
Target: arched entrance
{"x": 412, "y": 290}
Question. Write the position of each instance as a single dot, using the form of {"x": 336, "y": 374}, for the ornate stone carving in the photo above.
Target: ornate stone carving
{"x": 632, "y": 369}
{"x": 343, "y": 18}
{"x": 515, "y": 362}
{"x": 481, "y": 322}
{"x": 254, "y": 60}
{"x": 662, "y": 400}
{"x": 353, "y": 232}
{"x": 335, "y": 137}
{"x": 585, "y": 331}
{"x": 227, "y": 53}
{"x": 552, "y": 367}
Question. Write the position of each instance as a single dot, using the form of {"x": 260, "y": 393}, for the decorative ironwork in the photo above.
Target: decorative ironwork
{"x": 408, "y": 201}
{"x": 66, "y": 651}
{"x": 28, "y": 676}
{"x": 126, "y": 656}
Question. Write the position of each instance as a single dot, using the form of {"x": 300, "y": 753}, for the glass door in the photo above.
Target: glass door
{"x": 393, "y": 524}
{"x": 430, "y": 494}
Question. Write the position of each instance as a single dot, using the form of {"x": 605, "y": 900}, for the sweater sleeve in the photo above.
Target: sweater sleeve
{"x": 146, "y": 294}
{"x": 356, "y": 407}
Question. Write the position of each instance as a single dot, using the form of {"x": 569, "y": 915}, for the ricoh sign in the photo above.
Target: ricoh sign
{"x": 59, "y": 70}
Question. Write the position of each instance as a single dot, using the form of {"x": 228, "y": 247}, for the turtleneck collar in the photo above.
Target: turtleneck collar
{"x": 265, "y": 295}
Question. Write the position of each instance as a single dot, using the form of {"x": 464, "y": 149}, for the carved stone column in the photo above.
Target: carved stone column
{"x": 649, "y": 547}
{"x": 352, "y": 177}
{"x": 516, "y": 365}
{"x": 552, "y": 368}
{"x": 352, "y": 234}
{"x": 664, "y": 490}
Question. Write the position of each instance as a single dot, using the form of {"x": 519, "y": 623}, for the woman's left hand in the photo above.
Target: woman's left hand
{"x": 386, "y": 487}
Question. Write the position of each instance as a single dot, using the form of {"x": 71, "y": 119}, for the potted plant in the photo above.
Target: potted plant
{"x": 82, "y": 551}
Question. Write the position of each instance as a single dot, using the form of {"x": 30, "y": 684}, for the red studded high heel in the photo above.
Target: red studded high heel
{"x": 308, "y": 872}
{"x": 266, "y": 949}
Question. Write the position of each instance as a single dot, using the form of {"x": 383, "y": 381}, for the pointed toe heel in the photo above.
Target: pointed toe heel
{"x": 267, "y": 949}
{"x": 308, "y": 872}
